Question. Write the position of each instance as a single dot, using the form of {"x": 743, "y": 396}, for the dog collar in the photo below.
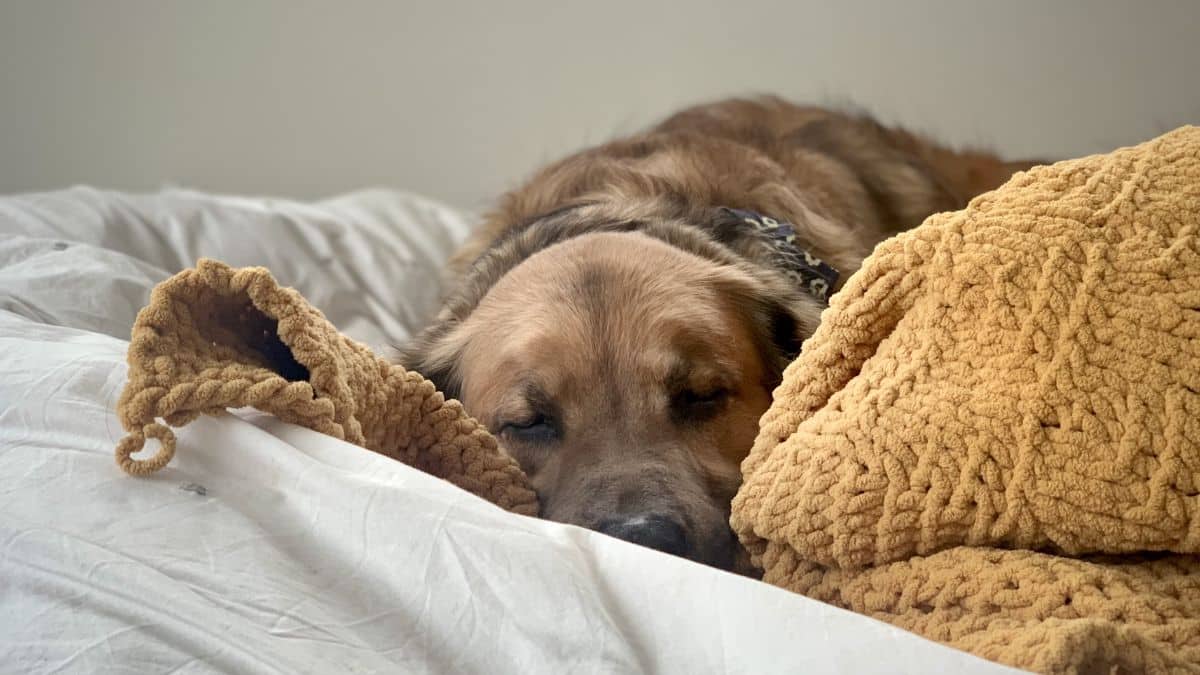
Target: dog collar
{"x": 808, "y": 272}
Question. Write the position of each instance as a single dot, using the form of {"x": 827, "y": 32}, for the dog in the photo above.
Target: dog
{"x": 621, "y": 320}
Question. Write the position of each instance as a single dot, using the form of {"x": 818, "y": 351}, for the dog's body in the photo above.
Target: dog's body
{"x": 620, "y": 326}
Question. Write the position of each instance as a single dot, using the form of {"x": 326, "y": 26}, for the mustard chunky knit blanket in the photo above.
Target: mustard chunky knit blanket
{"x": 993, "y": 439}
{"x": 215, "y": 338}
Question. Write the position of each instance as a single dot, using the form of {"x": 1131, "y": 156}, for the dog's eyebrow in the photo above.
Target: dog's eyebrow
{"x": 682, "y": 370}
{"x": 537, "y": 399}
{"x": 677, "y": 374}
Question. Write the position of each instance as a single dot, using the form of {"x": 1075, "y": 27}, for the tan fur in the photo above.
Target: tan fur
{"x": 609, "y": 269}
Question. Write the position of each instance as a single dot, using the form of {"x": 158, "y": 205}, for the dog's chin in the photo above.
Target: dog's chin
{"x": 721, "y": 551}
{"x": 744, "y": 566}
{"x": 714, "y": 546}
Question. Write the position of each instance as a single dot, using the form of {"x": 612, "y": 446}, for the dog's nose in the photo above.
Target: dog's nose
{"x": 652, "y": 531}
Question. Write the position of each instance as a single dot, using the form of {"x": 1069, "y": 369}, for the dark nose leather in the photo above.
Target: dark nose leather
{"x": 649, "y": 530}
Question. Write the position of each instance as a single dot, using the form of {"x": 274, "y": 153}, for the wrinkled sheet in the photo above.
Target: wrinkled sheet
{"x": 268, "y": 548}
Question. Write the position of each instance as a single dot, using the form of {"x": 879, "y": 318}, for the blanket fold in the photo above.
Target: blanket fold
{"x": 993, "y": 438}
{"x": 214, "y": 338}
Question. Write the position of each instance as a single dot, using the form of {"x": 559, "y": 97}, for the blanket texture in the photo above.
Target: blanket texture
{"x": 214, "y": 338}
{"x": 993, "y": 439}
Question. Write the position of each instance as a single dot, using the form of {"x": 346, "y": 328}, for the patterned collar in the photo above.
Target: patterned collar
{"x": 808, "y": 272}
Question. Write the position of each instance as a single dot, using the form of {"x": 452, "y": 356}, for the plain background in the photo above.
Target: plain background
{"x": 461, "y": 100}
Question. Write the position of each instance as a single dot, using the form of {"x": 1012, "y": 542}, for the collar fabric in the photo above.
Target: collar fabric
{"x": 810, "y": 273}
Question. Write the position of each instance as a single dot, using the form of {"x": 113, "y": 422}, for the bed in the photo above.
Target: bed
{"x": 269, "y": 548}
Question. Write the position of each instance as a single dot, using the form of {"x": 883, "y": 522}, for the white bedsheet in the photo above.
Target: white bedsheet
{"x": 268, "y": 548}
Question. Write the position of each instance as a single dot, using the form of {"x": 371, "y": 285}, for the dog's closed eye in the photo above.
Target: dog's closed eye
{"x": 536, "y": 428}
{"x": 533, "y": 417}
{"x": 695, "y": 405}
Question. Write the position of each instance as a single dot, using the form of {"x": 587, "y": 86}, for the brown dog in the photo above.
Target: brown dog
{"x": 621, "y": 320}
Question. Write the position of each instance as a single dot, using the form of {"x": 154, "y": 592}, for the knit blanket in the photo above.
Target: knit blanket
{"x": 993, "y": 439}
{"x": 214, "y": 338}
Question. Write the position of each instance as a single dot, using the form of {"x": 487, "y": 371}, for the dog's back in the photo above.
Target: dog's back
{"x": 771, "y": 156}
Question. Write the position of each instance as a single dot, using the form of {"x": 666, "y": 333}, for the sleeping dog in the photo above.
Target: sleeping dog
{"x": 620, "y": 321}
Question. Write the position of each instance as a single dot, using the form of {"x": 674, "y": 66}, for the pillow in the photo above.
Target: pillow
{"x": 369, "y": 260}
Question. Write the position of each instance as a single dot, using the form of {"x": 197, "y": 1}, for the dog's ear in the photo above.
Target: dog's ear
{"x": 780, "y": 318}
{"x": 781, "y": 328}
{"x": 435, "y": 354}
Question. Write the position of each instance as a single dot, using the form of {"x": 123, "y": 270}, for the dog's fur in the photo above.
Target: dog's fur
{"x": 622, "y": 333}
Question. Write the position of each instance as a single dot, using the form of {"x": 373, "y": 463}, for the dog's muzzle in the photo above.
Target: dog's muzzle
{"x": 650, "y": 530}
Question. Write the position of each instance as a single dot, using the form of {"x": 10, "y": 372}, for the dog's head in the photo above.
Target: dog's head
{"x": 625, "y": 364}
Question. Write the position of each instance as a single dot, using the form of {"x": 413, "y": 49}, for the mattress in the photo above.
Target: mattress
{"x": 269, "y": 548}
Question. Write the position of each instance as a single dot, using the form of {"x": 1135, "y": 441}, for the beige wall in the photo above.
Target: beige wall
{"x": 459, "y": 100}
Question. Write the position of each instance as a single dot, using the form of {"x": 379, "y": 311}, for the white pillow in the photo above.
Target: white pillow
{"x": 86, "y": 258}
